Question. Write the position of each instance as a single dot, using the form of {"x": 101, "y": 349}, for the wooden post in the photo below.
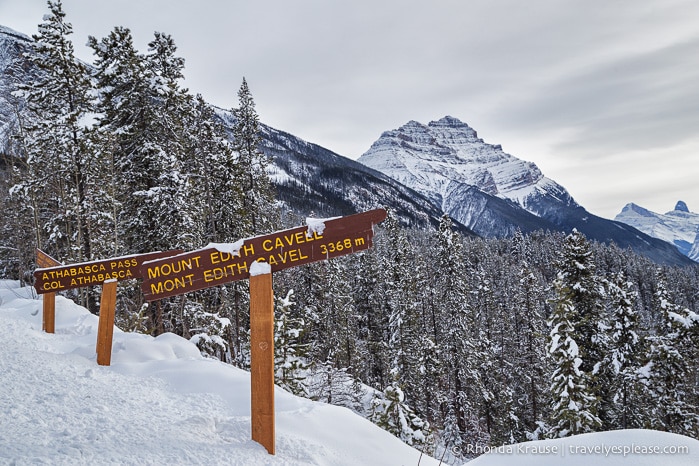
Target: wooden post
{"x": 48, "y": 322}
{"x": 105, "y": 329}
{"x": 262, "y": 359}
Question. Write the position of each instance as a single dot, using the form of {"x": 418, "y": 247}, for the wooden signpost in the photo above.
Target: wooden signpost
{"x": 105, "y": 328}
{"x": 52, "y": 276}
{"x": 256, "y": 258}
{"x": 48, "y": 319}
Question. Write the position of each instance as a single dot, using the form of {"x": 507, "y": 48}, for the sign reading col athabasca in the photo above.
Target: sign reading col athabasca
{"x": 65, "y": 277}
{"x": 217, "y": 265}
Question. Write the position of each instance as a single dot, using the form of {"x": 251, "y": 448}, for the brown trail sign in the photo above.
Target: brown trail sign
{"x": 65, "y": 277}
{"x": 209, "y": 267}
{"x": 256, "y": 258}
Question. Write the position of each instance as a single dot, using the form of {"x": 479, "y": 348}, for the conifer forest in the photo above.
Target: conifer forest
{"x": 442, "y": 339}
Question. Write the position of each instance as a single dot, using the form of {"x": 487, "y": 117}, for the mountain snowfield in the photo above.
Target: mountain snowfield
{"x": 678, "y": 226}
{"x": 408, "y": 155}
{"x": 161, "y": 402}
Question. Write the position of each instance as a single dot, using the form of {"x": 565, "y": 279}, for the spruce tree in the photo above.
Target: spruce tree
{"x": 669, "y": 370}
{"x": 578, "y": 272}
{"x": 142, "y": 116}
{"x": 259, "y": 210}
{"x": 574, "y": 407}
{"x": 175, "y": 216}
{"x": 529, "y": 356}
{"x": 397, "y": 262}
{"x": 461, "y": 382}
{"x": 18, "y": 230}
{"x": 213, "y": 176}
{"x": 126, "y": 114}
{"x": 392, "y": 414}
{"x": 62, "y": 167}
{"x": 621, "y": 401}
{"x": 372, "y": 322}
{"x": 290, "y": 358}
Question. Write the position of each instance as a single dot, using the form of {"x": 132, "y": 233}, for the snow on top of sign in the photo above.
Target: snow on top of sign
{"x": 316, "y": 225}
{"x": 110, "y": 280}
{"x": 260, "y": 268}
{"x": 232, "y": 248}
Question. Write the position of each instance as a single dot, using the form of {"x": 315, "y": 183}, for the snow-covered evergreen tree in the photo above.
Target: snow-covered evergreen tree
{"x": 622, "y": 402}
{"x": 529, "y": 356}
{"x": 167, "y": 197}
{"x": 331, "y": 385}
{"x": 209, "y": 332}
{"x": 461, "y": 384}
{"x": 399, "y": 284}
{"x": 290, "y": 359}
{"x": 213, "y": 176}
{"x": 577, "y": 271}
{"x": 143, "y": 112}
{"x": 259, "y": 208}
{"x": 574, "y": 406}
{"x": 668, "y": 372}
{"x": 369, "y": 301}
{"x": 143, "y": 109}
{"x": 62, "y": 167}
{"x": 391, "y": 413}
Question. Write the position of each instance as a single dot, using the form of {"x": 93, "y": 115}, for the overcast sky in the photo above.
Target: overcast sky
{"x": 603, "y": 95}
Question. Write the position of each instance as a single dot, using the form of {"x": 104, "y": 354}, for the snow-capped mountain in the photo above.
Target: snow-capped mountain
{"x": 491, "y": 192}
{"x": 446, "y": 159}
{"x": 678, "y": 226}
{"x": 439, "y": 157}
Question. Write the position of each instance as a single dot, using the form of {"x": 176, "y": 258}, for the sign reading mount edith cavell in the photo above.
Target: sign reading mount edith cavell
{"x": 220, "y": 264}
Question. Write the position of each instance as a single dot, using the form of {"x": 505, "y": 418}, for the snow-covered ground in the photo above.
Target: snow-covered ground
{"x": 161, "y": 402}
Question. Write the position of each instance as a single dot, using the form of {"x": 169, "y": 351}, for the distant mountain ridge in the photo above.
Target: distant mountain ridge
{"x": 446, "y": 159}
{"x": 679, "y": 226}
{"x": 448, "y": 151}
{"x": 492, "y": 192}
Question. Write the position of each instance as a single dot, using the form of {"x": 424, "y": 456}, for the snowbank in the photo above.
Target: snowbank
{"x": 160, "y": 402}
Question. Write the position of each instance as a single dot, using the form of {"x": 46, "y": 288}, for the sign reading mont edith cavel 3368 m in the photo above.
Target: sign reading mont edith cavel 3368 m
{"x": 319, "y": 240}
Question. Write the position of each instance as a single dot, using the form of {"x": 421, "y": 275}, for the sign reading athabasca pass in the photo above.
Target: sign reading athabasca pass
{"x": 65, "y": 277}
{"x": 225, "y": 263}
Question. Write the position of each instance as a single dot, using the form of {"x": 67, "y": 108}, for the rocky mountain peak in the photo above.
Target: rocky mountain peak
{"x": 437, "y": 157}
{"x": 449, "y": 122}
{"x": 681, "y": 206}
{"x": 678, "y": 227}
{"x": 632, "y": 209}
